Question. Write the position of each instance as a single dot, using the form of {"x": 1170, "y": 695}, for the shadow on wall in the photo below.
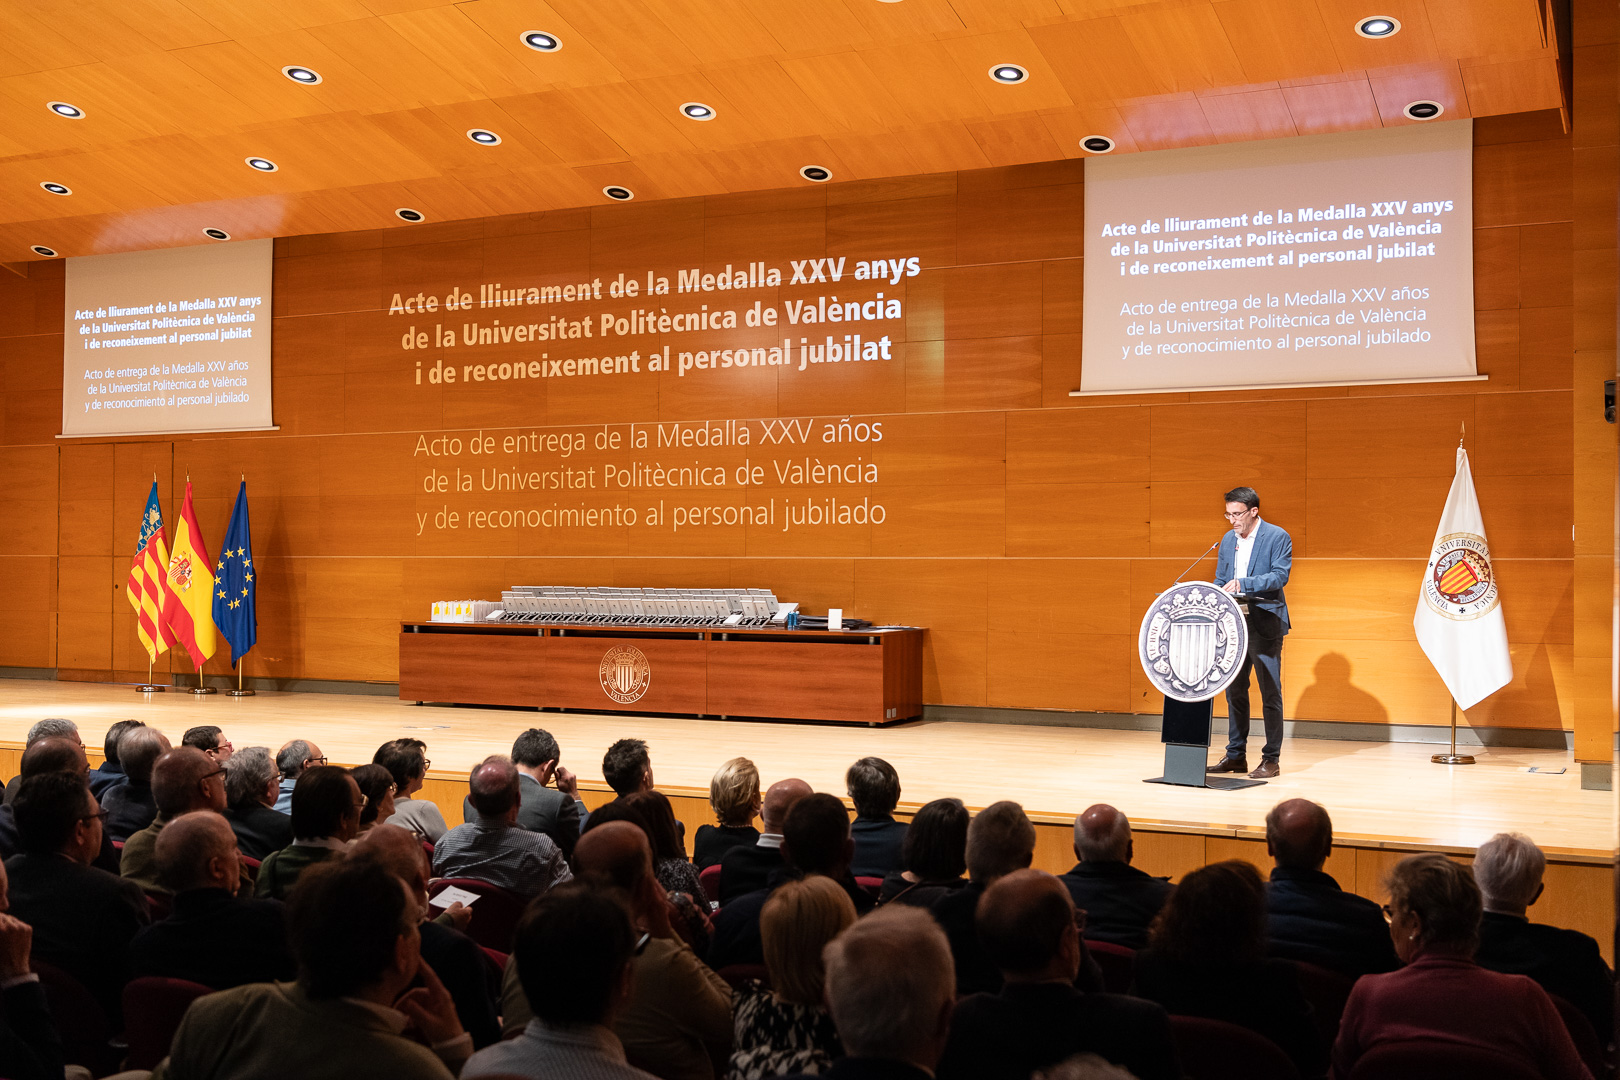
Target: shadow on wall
{"x": 1530, "y": 701}
{"x": 1333, "y": 697}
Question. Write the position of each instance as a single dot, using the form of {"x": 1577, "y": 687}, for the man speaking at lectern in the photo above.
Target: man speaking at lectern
{"x": 1253, "y": 565}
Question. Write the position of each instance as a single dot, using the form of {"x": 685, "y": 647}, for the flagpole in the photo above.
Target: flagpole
{"x": 149, "y": 687}
{"x": 1453, "y": 758}
{"x": 239, "y": 692}
{"x": 200, "y": 688}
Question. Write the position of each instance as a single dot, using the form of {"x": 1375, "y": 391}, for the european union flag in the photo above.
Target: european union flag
{"x": 233, "y": 583}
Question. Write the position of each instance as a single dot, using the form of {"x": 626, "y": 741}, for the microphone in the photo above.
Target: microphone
{"x": 1196, "y": 561}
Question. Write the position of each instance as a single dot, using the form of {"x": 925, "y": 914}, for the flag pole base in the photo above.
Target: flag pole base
{"x": 150, "y": 688}
{"x": 1452, "y": 759}
{"x": 240, "y": 693}
{"x": 203, "y": 690}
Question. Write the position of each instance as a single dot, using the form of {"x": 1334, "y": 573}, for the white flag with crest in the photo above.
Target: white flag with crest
{"x": 1459, "y": 612}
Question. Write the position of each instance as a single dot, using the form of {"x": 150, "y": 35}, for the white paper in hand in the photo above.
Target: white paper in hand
{"x": 451, "y": 895}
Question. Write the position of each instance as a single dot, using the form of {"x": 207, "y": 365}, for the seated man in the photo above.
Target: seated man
{"x": 213, "y": 937}
{"x": 1027, "y": 923}
{"x": 183, "y": 779}
{"x": 587, "y": 933}
{"x": 29, "y": 1044}
{"x": 1118, "y": 899}
{"x": 454, "y": 957}
{"x": 1308, "y": 917}
{"x": 1567, "y": 963}
{"x": 495, "y": 848}
{"x": 558, "y": 813}
{"x": 83, "y": 918}
{"x": 1000, "y": 840}
{"x": 815, "y": 840}
{"x": 210, "y": 740}
{"x": 326, "y": 809}
{"x": 252, "y": 785}
{"x": 52, "y": 754}
{"x": 677, "y": 1024}
{"x": 130, "y": 807}
{"x": 52, "y": 727}
{"x": 353, "y": 931}
{"x": 293, "y": 759}
{"x": 748, "y": 869}
{"x": 874, "y": 788}
{"x": 110, "y": 772}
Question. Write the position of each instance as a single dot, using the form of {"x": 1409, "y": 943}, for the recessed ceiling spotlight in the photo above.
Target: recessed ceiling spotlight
{"x": 1378, "y": 26}
{"x": 216, "y": 234}
{"x": 1097, "y": 144}
{"x": 62, "y": 108}
{"x": 540, "y": 41}
{"x": 696, "y": 110}
{"x": 41, "y": 249}
{"x": 817, "y": 173}
{"x": 483, "y": 137}
{"x": 1009, "y": 73}
{"x": 405, "y": 213}
{"x": 55, "y": 188}
{"x": 1423, "y": 110}
{"x": 262, "y": 164}
{"x": 301, "y": 75}
{"x": 618, "y": 194}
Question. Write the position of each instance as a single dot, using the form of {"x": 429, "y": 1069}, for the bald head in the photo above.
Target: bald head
{"x": 186, "y": 779}
{"x": 779, "y": 799}
{"x": 493, "y": 787}
{"x": 197, "y": 851}
{"x": 1026, "y": 923}
{"x": 1102, "y": 834}
{"x": 616, "y": 853}
{"x": 1299, "y": 834}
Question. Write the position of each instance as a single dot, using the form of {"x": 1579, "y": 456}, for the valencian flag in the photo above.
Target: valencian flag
{"x": 234, "y": 590}
{"x": 188, "y": 608}
{"x": 1459, "y": 619}
{"x": 147, "y": 586}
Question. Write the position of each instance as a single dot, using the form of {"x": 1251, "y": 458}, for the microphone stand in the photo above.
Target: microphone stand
{"x": 1196, "y": 561}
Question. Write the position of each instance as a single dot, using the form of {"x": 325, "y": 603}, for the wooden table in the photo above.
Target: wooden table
{"x": 843, "y": 676}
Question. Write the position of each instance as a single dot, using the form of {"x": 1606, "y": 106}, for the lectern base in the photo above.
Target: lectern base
{"x": 1185, "y": 765}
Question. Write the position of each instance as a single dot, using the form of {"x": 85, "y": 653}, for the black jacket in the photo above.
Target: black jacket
{"x": 106, "y": 776}
{"x": 1309, "y": 918}
{"x": 29, "y": 1046}
{"x": 1565, "y": 962}
{"x": 955, "y": 912}
{"x": 1030, "y": 1026}
{"x": 747, "y": 869}
{"x": 877, "y": 846}
{"x": 216, "y": 939}
{"x": 471, "y": 980}
{"x": 711, "y": 842}
{"x": 260, "y": 829}
{"x": 542, "y": 810}
{"x": 1119, "y": 900}
{"x": 924, "y": 894}
{"x": 129, "y": 809}
{"x": 737, "y": 938}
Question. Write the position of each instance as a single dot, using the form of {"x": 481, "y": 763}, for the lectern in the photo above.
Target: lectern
{"x": 1185, "y": 734}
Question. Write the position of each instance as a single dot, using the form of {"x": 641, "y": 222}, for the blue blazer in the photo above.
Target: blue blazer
{"x": 1269, "y": 563}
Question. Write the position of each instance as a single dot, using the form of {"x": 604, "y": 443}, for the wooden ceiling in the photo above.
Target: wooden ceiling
{"x": 176, "y": 95}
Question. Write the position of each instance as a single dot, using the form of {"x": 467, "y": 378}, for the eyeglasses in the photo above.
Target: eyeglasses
{"x": 217, "y": 772}
{"x": 99, "y": 815}
{"x": 427, "y": 763}
{"x": 1229, "y": 516}
{"x": 316, "y": 760}
{"x": 641, "y": 944}
{"x": 1389, "y": 913}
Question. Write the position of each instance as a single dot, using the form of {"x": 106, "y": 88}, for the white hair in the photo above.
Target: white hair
{"x": 1083, "y": 1067}
{"x": 888, "y": 977}
{"x": 52, "y": 727}
{"x": 1508, "y": 868}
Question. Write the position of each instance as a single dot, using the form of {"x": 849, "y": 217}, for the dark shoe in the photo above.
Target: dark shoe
{"x": 1268, "y": 769}
{"x": 1230, "y": 764}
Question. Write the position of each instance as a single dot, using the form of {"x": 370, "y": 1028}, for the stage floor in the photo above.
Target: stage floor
{"x": 1378, "y": 793}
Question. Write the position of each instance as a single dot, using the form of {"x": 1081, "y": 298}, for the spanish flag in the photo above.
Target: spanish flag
{"x": 147, "y": 587}
{"x": 188, "y": 609}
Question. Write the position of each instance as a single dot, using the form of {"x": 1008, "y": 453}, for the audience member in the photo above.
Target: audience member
{"x": 1207, "y": 957}
{"x": 183, "y": 779}
{"x": 677, "y": 1023}
{"x": 454, "y": 957}
{"x": 1440, "y": 994}
{"x": 1030, "y": 930}
{"x": 1119, "y": 900}
{"x": 130, "y": 807}
{"x": 747, "y": 869}
{"x": 326, "y": 806}
{"x": 786, "y": 1028}
{"x": 1000, "y": 839}
{"x": 874, "y": 788}
{"x": 1567, "y": 963}
{"x": 252, "y": 785}
{"x": 1308, "y": 917}
{"x": 30, "y": 1048}
{"x": 890, "y": 990}
{"x": 815, "y": 841}
{"x": 734, "y": 796}
{"x": 690, "y": 917}
{"x": 292, "y": 759}
{"x": 585, "y": 932}
{"x": 353, "y": 929}
{"x": 495, "y": 848}
{"x": 210, "y": 740}
{"x": 110, "y": 772}
{"x": 557, "y": 813}
{"x": 52, "y": 727}
{"x": 934, "y": 856}
{"x": 376, "y": 786}
{"x": 82, "y": 917}
{"x": 52, "y": 754}
{"x": 674, "y": 871}
{"x": 1083, "y": 1067}
{"x": 627, "y": 767}
{"x": 213, "y": 936}
{"x": 407, "y": 762}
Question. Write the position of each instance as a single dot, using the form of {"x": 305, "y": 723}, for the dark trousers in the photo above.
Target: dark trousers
{"x": 1264, "y": 659}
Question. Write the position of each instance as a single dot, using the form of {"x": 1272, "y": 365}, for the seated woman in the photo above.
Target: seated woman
{"x": 786, "y": 1029}
{"x": 377, "y": 785}
{"x": 934, "y": 856}
{"x": 651, "y": 812}
{"x": 1441, "y": 995}
{"x": 1206, "y": 956}
{"x": 734, "y": 795}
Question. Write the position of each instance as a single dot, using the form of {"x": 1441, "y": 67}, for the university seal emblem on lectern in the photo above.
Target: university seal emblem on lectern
{"x": 1193, "y": 641}
{"x": 625, "y": 673}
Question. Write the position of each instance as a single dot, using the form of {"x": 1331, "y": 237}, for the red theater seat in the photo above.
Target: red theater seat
{"x": 709, "y": 878}
{"x": 1428, "y": 1059}
{"x": 1327, "y": 991}
{"x": 153, "y": 1008}
{"x": 873, "y": 885}
{"x": 1216, "y": 1050}
{"x": 1117, "y": 962}
{"x": 494, "y": 916}
{"x": 80, "y": 1021}
{"x": 1583, "y": 1035}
